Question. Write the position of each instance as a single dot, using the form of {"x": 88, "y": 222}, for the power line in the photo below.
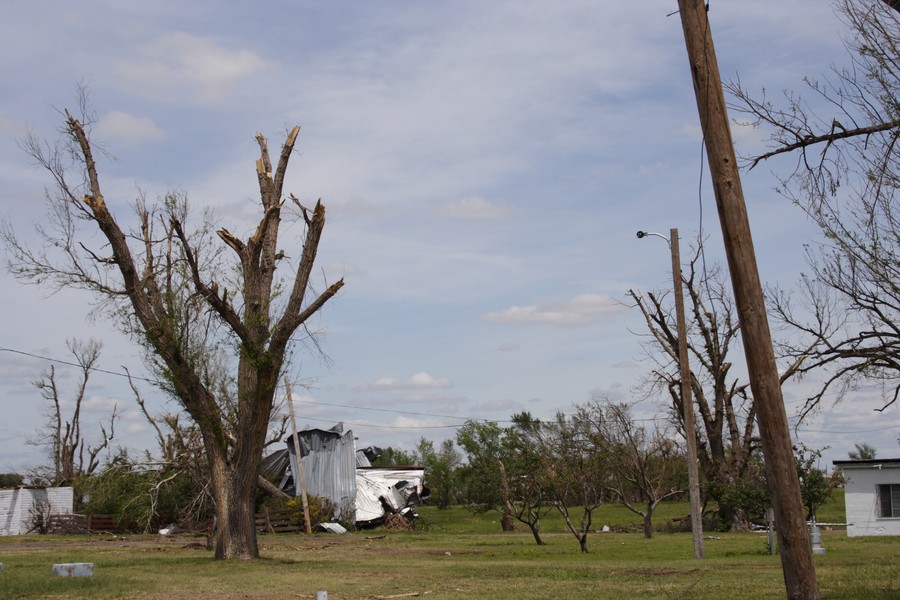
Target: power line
{"x": 386, "y": 410}
{"x": 402, "y": 412}
{"x": 847, "y": 432}
{"x": 72, "y": 364}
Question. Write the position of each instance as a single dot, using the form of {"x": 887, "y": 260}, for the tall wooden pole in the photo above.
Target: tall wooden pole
{"x": 781, "y": 471}
{"x": 301, "y": 480}
{"x": 687, "y": 401}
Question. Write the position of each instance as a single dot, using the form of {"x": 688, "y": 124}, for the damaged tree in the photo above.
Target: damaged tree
{"x": 726, "y": 411}
{"x": 646, "y": 465}
{"x": 176, "y": 295}
{"x": 63, "y": 437}
{"x": 575, "y": 467}
{"x": 843, "y": 320}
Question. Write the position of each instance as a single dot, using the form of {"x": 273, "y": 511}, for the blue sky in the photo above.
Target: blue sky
{"x": 484, "y": 165}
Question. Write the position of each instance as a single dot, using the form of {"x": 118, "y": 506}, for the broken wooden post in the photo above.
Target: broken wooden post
{"x": 300, "y": 480}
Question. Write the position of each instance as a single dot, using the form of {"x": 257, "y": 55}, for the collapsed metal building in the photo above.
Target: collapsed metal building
{"x": 333, "y": 468}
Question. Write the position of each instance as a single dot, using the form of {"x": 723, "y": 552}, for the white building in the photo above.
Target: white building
{"x": 19, "y": 507}
{"x": 872, "y": 496}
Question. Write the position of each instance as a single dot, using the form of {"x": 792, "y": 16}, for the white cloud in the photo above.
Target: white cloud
{"x": 91, "y": 404}
{"x": 624, "y": 364}
{"x": 691, "y": 131}
{"x": 300, "y": 398}
{"x": 580, "y": 310}
{"x": 302, "y": 403}
{"x": 345, "y": 269}
{"x": 747, "y": 137}
{"x": 418, "y": 424}
{"x": 135, "y": 428}
{"x": 474, "y": 208}
{"x": 122, "y": 126}
{"x": 178, "y": 62}
{"x": 418, "y": 381}
{"x": 12, "y": 127}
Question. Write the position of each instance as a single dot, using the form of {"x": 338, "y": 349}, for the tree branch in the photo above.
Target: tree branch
{"x": 832, "y": 136}
{"x": 210, "y": 292}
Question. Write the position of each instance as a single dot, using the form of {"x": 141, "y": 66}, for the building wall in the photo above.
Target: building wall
{"x": 329, "y": 467}
{"x": 16, "y": 506}
{"x": 10, "y": 521}
{"x": 861, "y": 497}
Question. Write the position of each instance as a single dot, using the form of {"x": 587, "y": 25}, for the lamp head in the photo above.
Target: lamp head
{"x": 641, "y": 234}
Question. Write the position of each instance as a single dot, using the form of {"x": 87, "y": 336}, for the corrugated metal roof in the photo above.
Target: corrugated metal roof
{"x": 328, "y": 458}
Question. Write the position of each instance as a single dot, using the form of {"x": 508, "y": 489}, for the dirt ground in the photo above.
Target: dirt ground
{"x": 48, "y": 542}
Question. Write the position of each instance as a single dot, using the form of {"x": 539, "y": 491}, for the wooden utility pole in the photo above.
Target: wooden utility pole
{"x": 687, "y": 401}
{"x": 300, "y": 479}
{"x": 781, "y": 471}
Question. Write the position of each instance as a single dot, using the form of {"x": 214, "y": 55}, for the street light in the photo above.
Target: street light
{"x": 686, "y": 399}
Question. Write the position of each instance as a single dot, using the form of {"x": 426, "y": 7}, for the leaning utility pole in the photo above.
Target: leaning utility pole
{"x": 793, "y": 536}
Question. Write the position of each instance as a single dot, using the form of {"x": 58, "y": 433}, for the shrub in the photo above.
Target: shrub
{"x": 321, "y": 510}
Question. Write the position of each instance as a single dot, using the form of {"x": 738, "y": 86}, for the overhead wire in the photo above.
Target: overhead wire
{"x": 387, "y": 410}
{"x": 395, "y": 411}
{"x": 709, "y": 295}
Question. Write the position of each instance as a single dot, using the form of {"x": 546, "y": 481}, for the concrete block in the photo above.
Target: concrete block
{"x": 73, "y": 569}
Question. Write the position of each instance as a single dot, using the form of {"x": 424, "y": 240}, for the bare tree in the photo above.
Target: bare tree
{"x": 726, "y": 410}
{"x": 646, "y": 465}
{"x": 575, "y": 468}
{"x": 179, "y": 297}
{"x": 70, "y": 452}
{"x": 843, "y": 321}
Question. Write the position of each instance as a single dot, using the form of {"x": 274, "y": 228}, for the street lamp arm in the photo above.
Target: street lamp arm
{"x": 643, "y": 234}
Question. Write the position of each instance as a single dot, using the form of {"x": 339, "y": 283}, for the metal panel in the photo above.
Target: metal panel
{"x": 328, "y": 458}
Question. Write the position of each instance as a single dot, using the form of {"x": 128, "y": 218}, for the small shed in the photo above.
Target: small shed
{"x": 872, "y": 496}
{"x": 22, "y": 506}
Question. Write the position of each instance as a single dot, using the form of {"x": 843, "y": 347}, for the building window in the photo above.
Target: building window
{"x": 889, "y": 501}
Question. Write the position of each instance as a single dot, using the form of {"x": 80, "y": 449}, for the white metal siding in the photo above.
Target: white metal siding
{"x": 9, "y": 522}
{"x": 16, "y": 505}
{"x": 60, "y": 500}
{"x": 861, "y": 497}
{"x": 329, "y": 467}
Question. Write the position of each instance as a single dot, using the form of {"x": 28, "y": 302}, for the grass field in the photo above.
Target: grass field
{"x": 458, "y": 555}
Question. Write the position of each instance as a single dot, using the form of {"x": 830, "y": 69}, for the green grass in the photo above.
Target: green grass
{"x": 459, "y": 519}
{"x": 459, "y": 556}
